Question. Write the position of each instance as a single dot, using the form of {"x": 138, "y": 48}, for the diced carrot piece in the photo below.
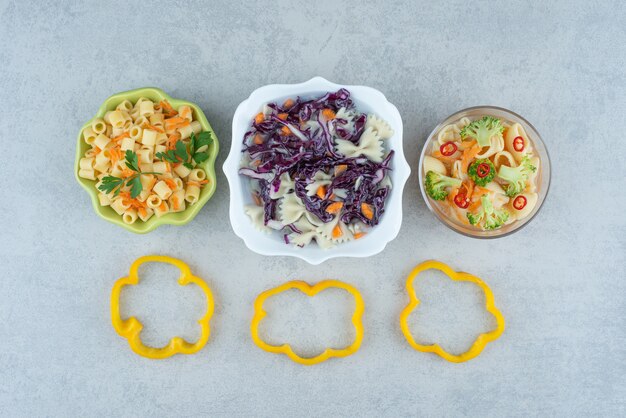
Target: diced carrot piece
{"x": 367, "y": 210}
{"x": 175, "y": 202}
{"x": 359, "y": 235}
{"x": 329, "y": 114}
{"x": 258, "y": 139}
{"x": 334, "y": 208}
{"x": 337, "y": 231}
{"x": 321, "y": 192}
{"x": 282, "y": 116}
{"x": 341, "y": 168}
{"x": 259, "y": 118}
{"x": 285, "y": 131}
{"x": 288, "y": 103}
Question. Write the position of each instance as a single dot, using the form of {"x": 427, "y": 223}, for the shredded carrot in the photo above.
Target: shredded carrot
{"x": 168, "y": 111}
{"x": 175, "y": 123}
{"x": 172, "y": 139}
{"x": 259, "y": 118}
{"x": 359, "y": 235}
{"x": 329, "y": 114}
{"x": 96, "y": 150}
{"x": 337, "y": 231}
{"x": 341, "y": 168}
{"x": 288, "y": 103}
{"x": 321, "y": 192}
{"x": 142, "y": 211}
{"x": 334, "y": 208}
{"x": 468, "y": 156}
{"x": 199, "y": 183}
{"x": 367, "y": 210}
{"x": 116, "y": 154}
{"x": 175, "y": 202}
{"x": 120, "y": 137}
{"x": 127, "y": 172}
{"x": 285, "y": 131}
{"x": 163, "y": 206}
{"x": 256, "y": 198}
{"x": 170, "y": 183}
{"x": 258, "y": 139}
{"x": 152, "y": 127}
{"x": 282, "y": 116}
{"x": 332, "y": 196}
{"x": 474, "y": 205}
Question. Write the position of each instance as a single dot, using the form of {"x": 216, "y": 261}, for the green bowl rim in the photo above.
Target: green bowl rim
{"x": 208, "y": 165}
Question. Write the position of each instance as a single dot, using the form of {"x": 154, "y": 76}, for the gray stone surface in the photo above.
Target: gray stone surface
{"x": 560, "y": 281}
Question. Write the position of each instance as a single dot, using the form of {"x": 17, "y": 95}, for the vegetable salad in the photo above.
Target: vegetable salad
{"x": 483, "y": 173}
{"x": 318, "y": 169}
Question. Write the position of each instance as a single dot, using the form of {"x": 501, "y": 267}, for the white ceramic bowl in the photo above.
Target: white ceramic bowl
{"x": 367, "y": 100}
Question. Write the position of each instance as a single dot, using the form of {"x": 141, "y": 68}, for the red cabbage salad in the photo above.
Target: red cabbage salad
{"x": 318, "y": 169}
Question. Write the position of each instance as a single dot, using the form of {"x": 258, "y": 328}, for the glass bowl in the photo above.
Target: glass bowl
{"x": 543, "y": 179}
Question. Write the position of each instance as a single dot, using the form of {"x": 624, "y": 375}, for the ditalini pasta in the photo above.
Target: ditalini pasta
{"x": 318, "y": 169}
{"x": 144, "y": 158}
{"x": 482, "y": 173}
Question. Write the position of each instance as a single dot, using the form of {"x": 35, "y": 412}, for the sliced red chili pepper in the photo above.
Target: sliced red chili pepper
{"x": 461, "y": 200}
{"x": 520, "y": 202}
{"x": 448, "y": 149}
{"x": 483, "y": 170}
{"x": 518, "y": 144}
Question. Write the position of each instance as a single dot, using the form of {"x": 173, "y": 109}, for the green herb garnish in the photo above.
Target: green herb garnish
{"x": 115, "y": 184}
{"x": 180, "y": 153}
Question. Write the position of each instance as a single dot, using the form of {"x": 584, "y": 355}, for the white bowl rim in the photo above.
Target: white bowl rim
{"x": 267, "y": 244}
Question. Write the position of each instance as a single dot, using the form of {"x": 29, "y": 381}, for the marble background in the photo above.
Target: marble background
{"x": 560, "y": 281}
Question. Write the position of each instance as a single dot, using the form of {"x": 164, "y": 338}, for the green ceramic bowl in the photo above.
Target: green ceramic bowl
{"x": 179, "y": 218}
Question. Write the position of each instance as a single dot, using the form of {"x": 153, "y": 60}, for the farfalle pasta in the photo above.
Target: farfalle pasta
{"x": 144, "y": 159}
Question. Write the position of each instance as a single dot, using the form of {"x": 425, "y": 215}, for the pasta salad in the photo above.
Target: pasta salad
{"x": 318, "y": 169}
{"x": 483, "y": 173}
{"x": 144, "y": 158}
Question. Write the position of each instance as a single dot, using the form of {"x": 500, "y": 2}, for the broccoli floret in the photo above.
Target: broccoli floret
{"x": 436, "y": 184}
{"x": 493, "y": 218}
{"x": 517, "y": 176}
{"x": 482, "y": 130}
{"x": 473, "y": 170}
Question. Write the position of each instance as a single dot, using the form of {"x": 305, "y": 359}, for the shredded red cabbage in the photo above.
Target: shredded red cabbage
{"x": 297, "y": 138}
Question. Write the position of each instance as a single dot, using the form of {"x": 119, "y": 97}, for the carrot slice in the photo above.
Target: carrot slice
{"x": 259, "y": 118}
{"x": 334, "y": 208}
{"x": 285, "y": 131}
{"x": 282, "y": 116}
{"x": 321, "y": 192}
{"x": 367, "y": 210}
{"x": 337, "y": 231}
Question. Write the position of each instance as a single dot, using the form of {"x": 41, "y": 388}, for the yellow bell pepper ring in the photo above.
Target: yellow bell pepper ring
{"x": 309, "y": 290}
{"x": 131, "y": 328}
{"x": 480, "y": 342}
